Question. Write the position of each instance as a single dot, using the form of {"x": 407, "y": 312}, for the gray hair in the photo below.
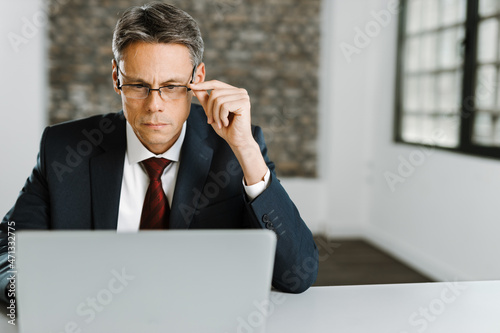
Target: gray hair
{"x": 158, "y": 22}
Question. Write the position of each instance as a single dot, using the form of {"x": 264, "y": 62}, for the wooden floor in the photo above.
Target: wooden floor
{"x": 348, "y": 262}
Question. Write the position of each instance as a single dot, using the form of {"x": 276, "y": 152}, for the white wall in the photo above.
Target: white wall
{"x": 445, "y": 218}
{"x": 23, "y": 95}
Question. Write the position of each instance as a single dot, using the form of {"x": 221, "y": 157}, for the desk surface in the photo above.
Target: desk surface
{"x": 458, "y": 307}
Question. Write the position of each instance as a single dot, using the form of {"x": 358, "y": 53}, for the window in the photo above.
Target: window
{"x": 448, "y": 91}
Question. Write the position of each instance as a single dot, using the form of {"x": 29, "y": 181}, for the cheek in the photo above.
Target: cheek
{"x": 177, "y": 108}
{"x": 131, "y": 110}
{"x": 181, "y": 112}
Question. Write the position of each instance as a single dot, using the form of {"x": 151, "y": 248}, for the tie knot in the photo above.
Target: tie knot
{"x": 155, "y": 166}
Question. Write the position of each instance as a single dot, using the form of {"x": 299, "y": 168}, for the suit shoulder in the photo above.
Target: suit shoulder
{"x": 101, "y": 129}
{"x": 90, "y": 122}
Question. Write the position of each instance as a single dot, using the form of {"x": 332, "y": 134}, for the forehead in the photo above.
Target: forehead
{"x": 153, "y": 59}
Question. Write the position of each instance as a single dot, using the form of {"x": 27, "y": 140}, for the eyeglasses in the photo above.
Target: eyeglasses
{"x": 139, "y": 91}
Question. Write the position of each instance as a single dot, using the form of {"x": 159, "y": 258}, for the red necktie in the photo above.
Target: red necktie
{"x": 156, "y": 211}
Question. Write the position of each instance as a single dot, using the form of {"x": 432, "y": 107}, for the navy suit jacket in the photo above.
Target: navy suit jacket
{"x": 76, "y": 185}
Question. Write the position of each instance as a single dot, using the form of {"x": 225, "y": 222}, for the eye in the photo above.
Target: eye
{"x": 170, "y": 87}
{"x": 138, "y": 87}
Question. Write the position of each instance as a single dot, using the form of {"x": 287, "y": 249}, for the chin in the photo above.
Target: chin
{"x": 158, "y": 141}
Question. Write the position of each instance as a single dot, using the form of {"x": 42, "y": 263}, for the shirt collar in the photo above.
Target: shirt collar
{"x": 136, "y": 152}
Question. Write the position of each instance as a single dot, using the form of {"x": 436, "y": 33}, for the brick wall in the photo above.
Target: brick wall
{"x": 270, "y": 48}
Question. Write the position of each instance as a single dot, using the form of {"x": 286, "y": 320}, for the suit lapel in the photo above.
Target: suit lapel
{"x": 195, "y": 161}
{"x": 106, "y": 173}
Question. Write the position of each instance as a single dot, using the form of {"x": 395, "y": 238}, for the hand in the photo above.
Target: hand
{"x": 228, "y": 111}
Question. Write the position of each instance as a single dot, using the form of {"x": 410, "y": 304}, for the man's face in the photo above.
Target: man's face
{"x": 157, "y": 121}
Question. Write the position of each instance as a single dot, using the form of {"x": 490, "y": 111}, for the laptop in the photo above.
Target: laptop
{"x": 152, "y": 281}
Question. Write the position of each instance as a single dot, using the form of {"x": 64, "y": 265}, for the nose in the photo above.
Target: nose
{"x": 154, "y": 101}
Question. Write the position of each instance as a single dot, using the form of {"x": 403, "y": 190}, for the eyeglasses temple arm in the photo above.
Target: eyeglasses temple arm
{"x": 192, "y": 75}
{"x": 117, "y": 78}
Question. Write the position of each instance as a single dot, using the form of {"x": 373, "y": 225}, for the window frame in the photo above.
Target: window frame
{"x": 468, "y": 84}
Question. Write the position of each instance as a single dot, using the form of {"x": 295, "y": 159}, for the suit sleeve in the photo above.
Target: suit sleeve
{"x": 31, "y": 211}
{"x": 296, "y": 260}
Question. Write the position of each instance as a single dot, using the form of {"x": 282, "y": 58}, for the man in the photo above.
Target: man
{"x": 162, "y": 162}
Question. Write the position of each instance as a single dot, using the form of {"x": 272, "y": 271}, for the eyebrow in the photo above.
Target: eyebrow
{"x": 137, "y": 79}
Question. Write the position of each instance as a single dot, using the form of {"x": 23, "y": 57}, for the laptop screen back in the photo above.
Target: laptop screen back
{"x": 175, "y": 281}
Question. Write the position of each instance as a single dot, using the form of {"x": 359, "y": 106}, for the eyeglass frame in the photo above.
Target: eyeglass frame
{"x": 151, "y": 89}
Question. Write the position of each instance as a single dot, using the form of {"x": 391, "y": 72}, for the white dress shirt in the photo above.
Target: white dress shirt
{"x": 135, "y": 179}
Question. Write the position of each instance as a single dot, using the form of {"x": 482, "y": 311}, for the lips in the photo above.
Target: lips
{"x": 155, "y": 124}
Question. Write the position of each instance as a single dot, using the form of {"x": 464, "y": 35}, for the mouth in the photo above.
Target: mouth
{"x": 155, "y": 125}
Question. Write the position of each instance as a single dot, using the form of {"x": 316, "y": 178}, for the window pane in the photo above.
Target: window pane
{"x": 429, "y": 126}
{"x": 447, "y": 131}
{"x": 429, "y": 53}
{"x": 411, "y": 94}
{"x": 414, "y": 16}
{"x": 431, "y": 18}
{"x": 483, "y": 129}
{"x": 462, "y": 10}
{"x": 453, "y": 11}
{"x": 450, "y": 41}
{"x": 488, "y": 40}
{"x": 412, "y": 128}
{"x": 485, "y": 87}
{"x": 448, "y": 92}
{"x": 487, "y": 129}
{"x": 488, "y": 7}
{"x": 428, "y": 89}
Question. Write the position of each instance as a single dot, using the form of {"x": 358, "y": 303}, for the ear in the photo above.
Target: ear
{"x": 200, "y": 73}
{"x": 114, "y": 75}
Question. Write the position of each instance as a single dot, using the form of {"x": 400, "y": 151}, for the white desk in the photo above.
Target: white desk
{"x": 462, "y": 307}
{"x": 391, "y": 309}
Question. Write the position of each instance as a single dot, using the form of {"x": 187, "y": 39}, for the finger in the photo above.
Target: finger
{"x": 216, "y": 104}
{"x": 224, "y": 105}
{"x": 204, "y": 97}
{"x": 210, "y": 85}
{"x": 222, "y": 95}
{"x": 229, "y": 108}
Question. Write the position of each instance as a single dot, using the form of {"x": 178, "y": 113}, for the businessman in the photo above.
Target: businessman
{"x": 162, "y": 162}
